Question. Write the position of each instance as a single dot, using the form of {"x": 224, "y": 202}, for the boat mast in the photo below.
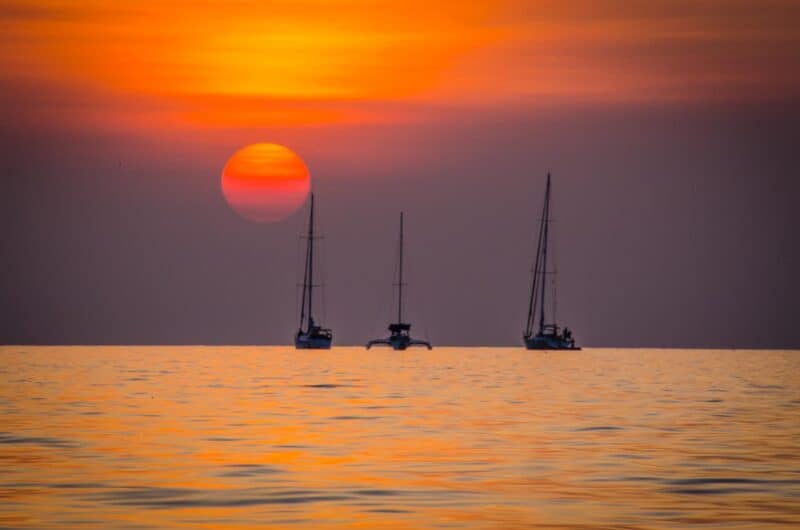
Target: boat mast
{"x": 305, "y": 288}
{"x": 532, "y": 301}
{"x": 308, "y": 275}
{"x": 400, "y": 283}
{"x": 546, "y": 222}
{"x": 310, "y": 261}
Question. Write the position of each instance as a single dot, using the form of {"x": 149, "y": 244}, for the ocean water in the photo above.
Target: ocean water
{"x": 496, "y": 438}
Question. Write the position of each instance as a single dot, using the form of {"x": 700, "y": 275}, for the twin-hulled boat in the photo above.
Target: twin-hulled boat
{"x": 399, "y": 332}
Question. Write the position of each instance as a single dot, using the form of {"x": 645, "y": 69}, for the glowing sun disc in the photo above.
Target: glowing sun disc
{"x": 265, "y": 182}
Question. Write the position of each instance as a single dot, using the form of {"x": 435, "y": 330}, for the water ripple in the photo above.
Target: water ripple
{"x": 45, "y": 441}
{"x": 217, "y": 437}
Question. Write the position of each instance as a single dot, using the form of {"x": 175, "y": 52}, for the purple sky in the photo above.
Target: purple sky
{"x": 676, "y": 226}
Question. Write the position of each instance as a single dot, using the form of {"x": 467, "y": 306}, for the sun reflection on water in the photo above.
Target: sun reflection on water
{"x": 205, "y": 437}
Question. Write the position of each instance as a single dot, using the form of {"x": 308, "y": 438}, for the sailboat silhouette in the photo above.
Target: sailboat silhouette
{"x": 548, "y": 336}
{"x": 313, "y": 337}
{"x": 400, "y": 332}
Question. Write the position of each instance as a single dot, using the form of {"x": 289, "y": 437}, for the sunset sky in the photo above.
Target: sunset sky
{"x": 670, "y": 127}
{"x": 248, "y": 63}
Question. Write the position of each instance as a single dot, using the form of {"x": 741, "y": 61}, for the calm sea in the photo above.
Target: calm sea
{"x": 501, "y": 438}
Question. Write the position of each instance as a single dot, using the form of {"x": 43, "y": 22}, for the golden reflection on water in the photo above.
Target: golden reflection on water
{"x": 249, "y": 437}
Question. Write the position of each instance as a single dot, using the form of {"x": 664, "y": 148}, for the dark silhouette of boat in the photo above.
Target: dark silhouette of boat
{"x": 548, "y": 336}
{"x": 313, "y": 337}
{"x": 400, "y": 332}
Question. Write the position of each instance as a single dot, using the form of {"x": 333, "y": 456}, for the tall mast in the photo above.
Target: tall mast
{"x": 546, "y": 222}
{"x": 305, "y": 287}
{"x": 532, "y": 301}
{"x": 310, "y": 271}
{"x": 400, "y": 283}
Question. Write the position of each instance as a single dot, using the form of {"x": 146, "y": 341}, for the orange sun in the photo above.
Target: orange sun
{"x": 265, "y": 182}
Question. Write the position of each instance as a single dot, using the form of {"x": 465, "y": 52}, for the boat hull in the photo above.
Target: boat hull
{"x": 399, "y": 338}
{"x": 399, "y": 343}
{"x": 305, "y": 342}
{"x": 549, "y": 342}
